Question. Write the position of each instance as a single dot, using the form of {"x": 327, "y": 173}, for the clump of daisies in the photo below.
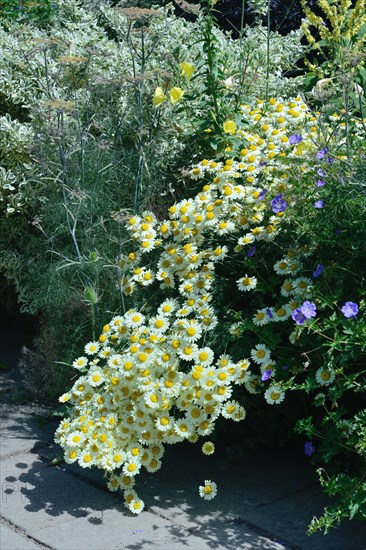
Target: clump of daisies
{"x": 153, "y": 378}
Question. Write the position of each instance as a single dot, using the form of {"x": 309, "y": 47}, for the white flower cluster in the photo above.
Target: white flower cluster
{"x": 146, "y": 383}
{"x": 152, "y": 378}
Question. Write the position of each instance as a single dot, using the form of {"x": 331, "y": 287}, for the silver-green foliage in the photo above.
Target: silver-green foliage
{"x": 90, "y": 138}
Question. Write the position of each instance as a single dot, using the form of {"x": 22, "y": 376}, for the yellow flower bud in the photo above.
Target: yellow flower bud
{"x": 175, "y": 94}
{"x": 159, "y": 97}
{"x": 229, "y": 127}
{"x": 187, "y": 69}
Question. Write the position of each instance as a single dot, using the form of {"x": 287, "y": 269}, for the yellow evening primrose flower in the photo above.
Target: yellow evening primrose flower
{"x": 176, "y": 94}
{"x": 229, "y": 127}
{"x": 159, "y": 97}
{"x": 187, "y": 69}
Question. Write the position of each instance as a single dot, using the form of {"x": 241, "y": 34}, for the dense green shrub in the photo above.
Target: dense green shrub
{"x": 39, "y": 12}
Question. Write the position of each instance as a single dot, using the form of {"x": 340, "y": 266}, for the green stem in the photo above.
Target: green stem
{"x": 211, "y": 61}
{"x": 346, "y": 116}
{"x": 321, "y": 436}
{"x": 268, "y": 48}
{"x": 242, "y": 20}
{"x": 93, "y": 320}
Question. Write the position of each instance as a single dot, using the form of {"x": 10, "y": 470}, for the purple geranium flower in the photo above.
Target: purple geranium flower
{"x": 350, "y": 310}
{"x": 319, "y": 204}
{"x": 320, "y": 183}
{"x": 321, "y": 173}
{"x": 298, "y": 316}
{"x": 318, "y": 270}
{"x": 278, "y": 204}
{"x": 309, "y": 448}
{"x": 295, "y": 139}
{"x": 322, "y": 153}
{"x": 269, "y": 313}
{"x": 252, "y": 251}
{"x": 308, "y": 309}
{"x": 266, "y": 375}
{"x": 262, "y": 194}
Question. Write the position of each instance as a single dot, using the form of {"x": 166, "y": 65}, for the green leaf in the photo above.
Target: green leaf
{"x": 353, "y": 509}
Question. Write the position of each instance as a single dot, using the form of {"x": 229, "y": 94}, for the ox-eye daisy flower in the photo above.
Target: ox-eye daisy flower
{"x": 208, "y": 491}
{"x": 208, "y": 448}
{"x": 134, "y": 319}
{"x": 80, "y": 363}
{"x": 261, "y": 317}
{"x": 91, "y": 348}
{"x": 260, "y": 354}
{"x": 131, "y": 467}
{"x": 324, "y": 377}
{"x": 154, "y": 465}
{"x": 204, "y": 356}
{"x": 246, "y": 283}
{"x": 274, "y": 395}
{"x": 136, "y": 505}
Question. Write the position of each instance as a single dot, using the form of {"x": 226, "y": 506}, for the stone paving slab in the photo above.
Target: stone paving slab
{"x": 35, "y": 495}
{"x": 65, "y": 513}
{"x": 18, "y": 430}
{"x": 173, "y": 491}
{"x": 280, "y": 503}
{"x": 292, "y": 515}
{"x": 147, "y": 531}
{"x": 12, "y": 540}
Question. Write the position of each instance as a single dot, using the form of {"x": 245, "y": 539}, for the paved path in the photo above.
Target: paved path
{"x": 265, "y": 501}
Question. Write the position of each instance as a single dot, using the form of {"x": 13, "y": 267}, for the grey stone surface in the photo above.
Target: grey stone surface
{"x": 290, "y": 516}
{"x": 18, "y": 429}
{"x": 148, "y": 531}
{"x": 11, "y": 540}
{"x": 67, "y": 513}
{"x": 35, "y": 495}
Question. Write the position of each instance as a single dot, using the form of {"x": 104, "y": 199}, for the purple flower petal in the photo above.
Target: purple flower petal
{"x": 309, "y": 448}
{"x": 318, "y": 270}
{"x": 319, "y": 204}
{"x": 322, "y": 153}
{"x": 262, "y": 194}
{"x": 278, "y": 204}
{"x": 295, "y": 139}
{"x": 252, "y": 251}
{"x": 308, "y": 309}
{"x": 350, "y": 310}
{"x": 269, "y": 313}
{"x": 266, "y": 375}
{"x": 321, "y": 173}
{"x": 298, "y": 316}
{"x": 320, "y": 183}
